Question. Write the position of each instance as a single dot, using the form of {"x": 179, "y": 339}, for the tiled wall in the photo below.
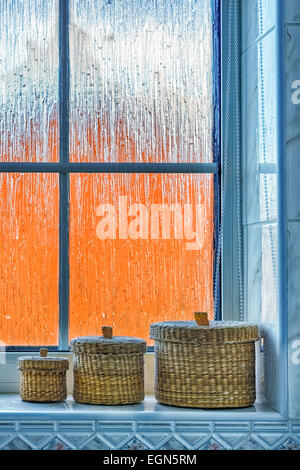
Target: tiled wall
{"x": 138, "y": 435}
{"x": 259, "y": 189}
{"x": 259, "y": 177}
{"x": 292, "y": 41}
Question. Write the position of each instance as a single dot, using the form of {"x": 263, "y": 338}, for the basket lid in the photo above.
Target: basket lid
{"x": 43, "y": 362}
{"x": 204, "y": 331}
{"x": 108, "y": 344}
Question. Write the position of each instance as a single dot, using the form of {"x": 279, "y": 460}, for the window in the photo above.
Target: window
{"x": 109, "y": 161}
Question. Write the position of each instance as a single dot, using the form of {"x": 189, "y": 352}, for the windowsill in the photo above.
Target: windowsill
{"x": 12, "y": 407}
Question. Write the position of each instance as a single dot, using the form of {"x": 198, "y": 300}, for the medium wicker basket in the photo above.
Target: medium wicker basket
{"x": 205, "y": 364}
{"x": 108, "y": 370}
{"x": 43, "y": 378}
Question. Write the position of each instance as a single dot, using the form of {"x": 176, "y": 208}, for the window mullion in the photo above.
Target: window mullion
{"x": 64, "y": 86}
{"x": 232, "y": 263}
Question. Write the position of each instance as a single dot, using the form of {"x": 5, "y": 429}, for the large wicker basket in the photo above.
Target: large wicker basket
{"x": 208, "y": 365}
{"x": 43, "y": 378}
{"x": 108, "y": 370}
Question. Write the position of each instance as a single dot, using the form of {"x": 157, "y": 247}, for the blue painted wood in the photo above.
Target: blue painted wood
{"x": 144, "y": 167}
{"x": 113, "y": 167}
{"x": 216, "y": 11}
{"x": 64, "y": 86}
{"x": 292, "y": 59}
{"x": 230, "y": 102}
{"x": 281, "y": 208}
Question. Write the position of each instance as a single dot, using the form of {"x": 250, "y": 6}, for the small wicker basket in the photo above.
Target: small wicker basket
{"x": 205, "y": 364}
{"x": 43, "y": 378}
{"x": 108, "y": 370}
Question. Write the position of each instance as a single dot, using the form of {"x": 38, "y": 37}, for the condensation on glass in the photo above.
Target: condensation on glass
{"x": 141, "y": 81}
{"x": 29, "y": 80}
{"x": 141, "y": 250}
{"x": 29, "y": 259}
{"x": 140, "y": 91}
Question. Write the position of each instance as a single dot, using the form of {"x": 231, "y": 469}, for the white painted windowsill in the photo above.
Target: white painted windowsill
{"x": 12, "y": 407}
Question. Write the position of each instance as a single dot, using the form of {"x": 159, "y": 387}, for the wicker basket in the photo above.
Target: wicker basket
{"x": 107, "y": 370}
{"x": 43, "y": 378}
{"x": 205, "y": 365}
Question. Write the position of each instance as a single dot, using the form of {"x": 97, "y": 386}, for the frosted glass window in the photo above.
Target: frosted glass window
{"x": 141, "y": 81}
{"x": 130, "y": 264}
{"x": 29, "y": 80}
{"x": 29, "y": 259}
{"x": 97, "y": 81}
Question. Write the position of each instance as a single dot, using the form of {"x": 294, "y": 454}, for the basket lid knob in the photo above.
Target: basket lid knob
{"x": 201, "y": 318}
{"x": 107, "y": 332}
{"x": 43, "y": 352}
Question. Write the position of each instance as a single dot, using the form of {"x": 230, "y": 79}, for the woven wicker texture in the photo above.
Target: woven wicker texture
{"x": 43, "y": 379}
{"x": 205, "y": 366}
{"x": 108, "y": 370}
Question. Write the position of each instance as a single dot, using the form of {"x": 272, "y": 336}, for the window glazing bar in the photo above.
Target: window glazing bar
{"x": 30, "y": 167}
{"x": 88, "y": 167}
{"x": 143, "y": 167}
{"x": 64, "y": 86}
{"x": 217, "y": 152}
{"x": 33, "y": 348}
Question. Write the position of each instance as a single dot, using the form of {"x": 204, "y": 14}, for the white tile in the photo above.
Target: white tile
{"x": 249, "y": 26}
{"x": 261, "y": 272}
{"x": 261, "y": 298}
{"x": 258, "y": 131}
{"x": 250, "y": 136}
{"x": 253, "y": 271}
{"x": 293, "y": 178}
{"x": 292, "y": 11}
{"x": 267, "y": 98}
{"x": 292, "y": 74}
{"x": 250, "y": 10}
{"x": 292, "y": 122}
{"x": 294, "y": 318}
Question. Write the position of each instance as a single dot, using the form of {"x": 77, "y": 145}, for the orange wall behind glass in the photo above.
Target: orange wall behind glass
{"x": 125, "y": 283}
{"x": 129, "y": 283}
{"x": 29, "y": 259}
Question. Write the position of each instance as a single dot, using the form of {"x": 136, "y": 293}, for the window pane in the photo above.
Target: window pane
{"x": 141, "y": 81}
{"x": 28, "y": 80}
{"x": 29, "y": 259}
{"x": 133, "y": 260}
